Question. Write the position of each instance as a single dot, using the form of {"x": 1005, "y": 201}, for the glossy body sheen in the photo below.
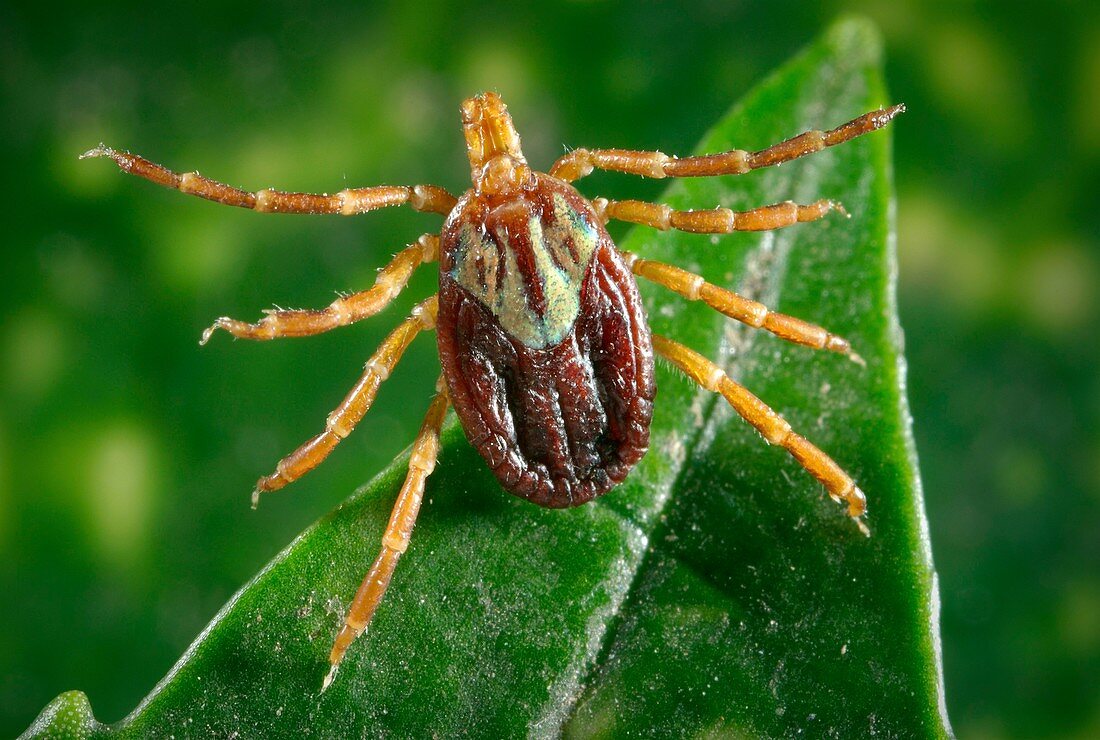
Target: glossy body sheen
{"x": 544, "y": 342}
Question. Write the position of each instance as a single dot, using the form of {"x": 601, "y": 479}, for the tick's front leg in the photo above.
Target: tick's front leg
{"x": 347, "y": 202}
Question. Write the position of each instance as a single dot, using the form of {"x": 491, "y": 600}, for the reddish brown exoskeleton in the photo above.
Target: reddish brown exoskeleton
{"x": 546, "y": 352}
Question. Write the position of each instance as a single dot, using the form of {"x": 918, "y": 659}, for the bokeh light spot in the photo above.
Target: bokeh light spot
{"x": 1022, "y": 475}
{"x": 196, "y": 251}
{"x": 500, "y": 68}
{"x": 982, "y": 83}
{"x": 77, "y": 275}
{"x": 1058, "y": 287}
{"x": 34, "y": 352}
{"x": 121, "y": 482}
{"x": 1079, "y": 617}
{"x": 943, "y": 252}
{"x": 1086, "y": 103}
{"x": 5, "y": 490}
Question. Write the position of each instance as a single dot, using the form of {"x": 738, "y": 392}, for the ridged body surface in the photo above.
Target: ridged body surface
{"x": 544, "y": 343}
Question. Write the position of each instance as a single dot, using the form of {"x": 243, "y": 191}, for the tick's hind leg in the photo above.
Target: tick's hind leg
{"x": 395, "y": 541}
{"x": 695, "y": 288}
{"x": 343, "y": 419}
{"x": 347, "y": 202}
{"x": 580, "y": 162}
{"x": 714, "y": 220}
{"x": 345, "y": 310}
{"x": 771, "y": 425}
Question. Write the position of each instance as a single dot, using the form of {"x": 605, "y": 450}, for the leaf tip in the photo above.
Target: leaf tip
{"x": 856, "y": 36}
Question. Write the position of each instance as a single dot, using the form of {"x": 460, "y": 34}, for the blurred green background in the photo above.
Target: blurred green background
{"x": 127, "y": 453}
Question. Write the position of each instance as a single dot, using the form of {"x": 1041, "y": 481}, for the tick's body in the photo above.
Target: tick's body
{"x": 545, "y": 350}
{"x": 543, "y": 342}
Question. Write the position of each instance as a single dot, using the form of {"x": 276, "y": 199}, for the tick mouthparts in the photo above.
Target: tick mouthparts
{"x": 489, "y": 130}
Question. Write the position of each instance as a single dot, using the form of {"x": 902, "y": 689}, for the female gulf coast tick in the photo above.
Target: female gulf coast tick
{"x": 546, "y": 352}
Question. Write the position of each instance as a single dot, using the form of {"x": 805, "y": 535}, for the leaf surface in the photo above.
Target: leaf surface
{"x": 716, "y": 592}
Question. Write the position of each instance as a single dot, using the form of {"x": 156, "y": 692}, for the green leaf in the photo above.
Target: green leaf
{"x": 716, "y": 592}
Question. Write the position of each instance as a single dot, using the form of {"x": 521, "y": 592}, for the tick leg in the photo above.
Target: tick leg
{"x": 757, "y": 315}
{"x": 425, "y": 452}
{"x": 347, "y": 202}
{"x": 343, "y": 419}
{"x": 714, "y": 220}
{"x": 771, "y": 425}
{"x": 580, "y": 162}
{"x": 344, "y": 310}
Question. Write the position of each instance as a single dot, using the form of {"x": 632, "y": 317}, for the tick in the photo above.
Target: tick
{"x": 546, "y": 353}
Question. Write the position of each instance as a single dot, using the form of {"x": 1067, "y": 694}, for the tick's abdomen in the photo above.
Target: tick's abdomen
{"x": 544, "y": 343}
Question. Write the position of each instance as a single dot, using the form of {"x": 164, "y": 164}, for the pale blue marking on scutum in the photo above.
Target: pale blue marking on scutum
{"x": 559, "y": 272}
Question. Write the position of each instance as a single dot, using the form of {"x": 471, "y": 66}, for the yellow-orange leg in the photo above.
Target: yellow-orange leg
{"x": 714, "y": 220}
{"x": 757, "y": 315}
{"x": 345, "y": 309}
{"x": 771, "y": 425}
{"x": 395, "y": 541}
{"x": 580, "y": 162}
{"x": 343, "y": 419}
{"x": 347, "y": 202}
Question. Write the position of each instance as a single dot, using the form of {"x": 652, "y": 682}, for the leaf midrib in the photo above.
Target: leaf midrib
{"x": 769, "y": 280}
{"x": 713, "y": 404}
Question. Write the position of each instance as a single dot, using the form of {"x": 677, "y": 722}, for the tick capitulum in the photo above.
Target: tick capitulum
{"x": 546, "y": 354}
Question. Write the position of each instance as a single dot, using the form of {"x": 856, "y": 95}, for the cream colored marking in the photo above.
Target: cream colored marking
{"x": 430, "y": 245}
{"x": 187, "y": 182}
{"x": 426, "y": 316}
{"x": 379, "y": 369}
{"x": 347, "y": 206}
{"x": 559, "y": 273}
{"x": 264, "y": 200}
{"x": 697, "y": 283}
{"x": 711, "y": 383}
{"x": 419, "y": 197}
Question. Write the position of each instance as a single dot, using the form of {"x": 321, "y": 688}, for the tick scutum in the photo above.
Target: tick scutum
{"x": 544, "y": 343}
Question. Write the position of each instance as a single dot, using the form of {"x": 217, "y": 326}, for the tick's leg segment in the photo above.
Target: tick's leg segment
{"x": 580, "y": 162}
{"x": 714, "y": 220}
{"x": 395, "y": 541}
{"x": 344, "y": 310}
{"x": 695, "y": 288}
{"x": 347, "y": 202}
{"x": 343, "y": 419}
{"x": 771, "y": 425}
